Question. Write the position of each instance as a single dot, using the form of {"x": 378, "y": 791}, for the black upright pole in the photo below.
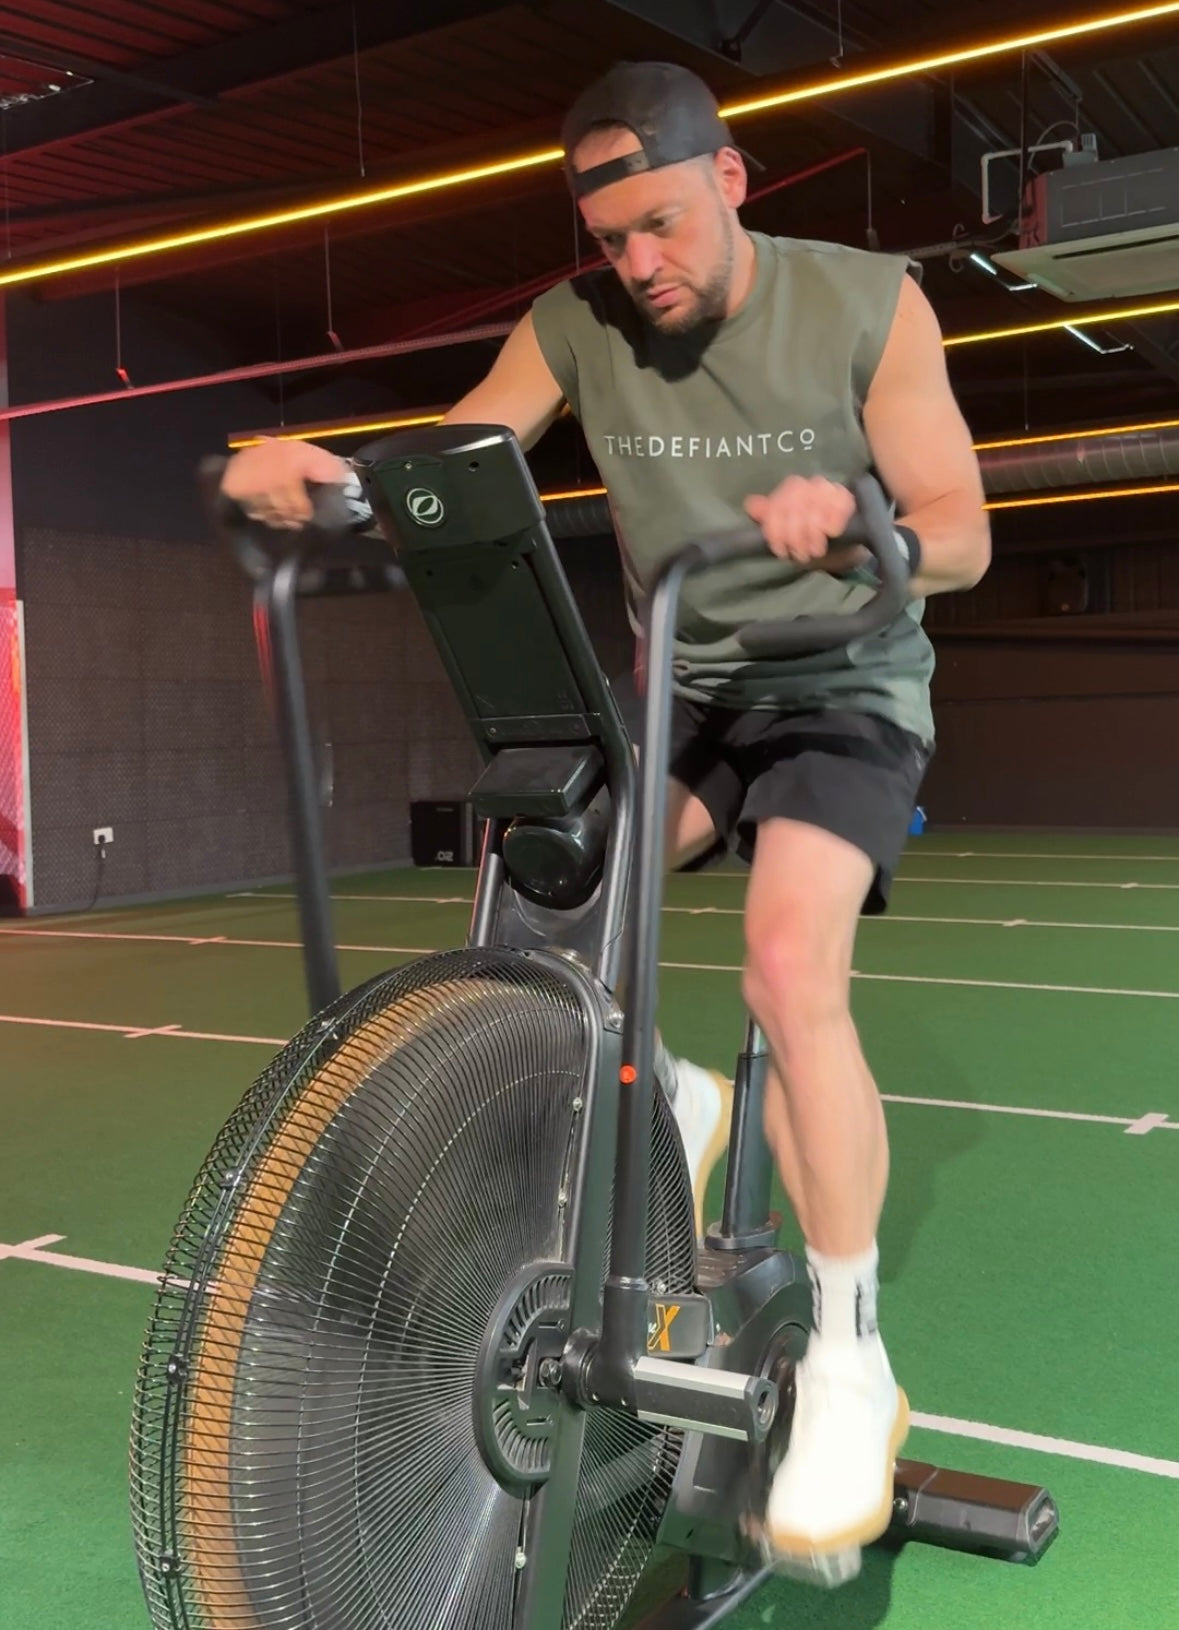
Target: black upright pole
{"x": 624, "y": 1309}
{"x": 746, "y": 1222}
{"x": 277, "y": 594}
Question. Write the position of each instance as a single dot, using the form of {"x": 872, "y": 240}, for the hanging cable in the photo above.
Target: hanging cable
{"x": 121, "y": 373}
{"x": 327, "y": 268}
{"x": 359, "y": 97}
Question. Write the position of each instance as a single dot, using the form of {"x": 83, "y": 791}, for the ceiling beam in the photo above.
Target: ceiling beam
{"x": 924, "y": 119}
{"x": 919, "y": 117}
{"x": 271, "y": 52}
{"x": 35, "y": 55}
{"x": 1157, "y": 342}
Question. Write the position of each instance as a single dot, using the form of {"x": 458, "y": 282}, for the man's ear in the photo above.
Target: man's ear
{"x": 732, "y": 178}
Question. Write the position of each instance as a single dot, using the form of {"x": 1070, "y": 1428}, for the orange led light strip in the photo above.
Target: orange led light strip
{"x": 1077, "y": 435}
{"x": 952, "y": 59}
{"x": 323, "y": 432}
{"x": 996, "y": 503}
{"x": 39, "y": 270}
{"x": 1084, "y": 319}
{"x": 821, "y": 90}
{"x": 1082, "y": 497}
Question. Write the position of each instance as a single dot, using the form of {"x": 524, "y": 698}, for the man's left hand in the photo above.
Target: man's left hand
{"x": 800, "y": 518}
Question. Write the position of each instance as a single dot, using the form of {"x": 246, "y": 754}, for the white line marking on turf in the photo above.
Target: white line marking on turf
{"x": 1027, "y": 883}
{"x": 1042, "y": 855}
{"x": 1014, "y": 984}
{"x": 1063, "y": 1447}
{"x": 929, "y": 979}
{"x": 683, "y": 967}
{"x": 132, "y": 1032}
{"x": 1028, "y": 922}
{"x": 680, "y": 911}
{"x": 33, "y": 1251}
{"x": 220, "y": 939}
{"x": 1148, "y": 1123}
{"x": 30, "y": 1244}
{"x": 1141, "y": 1124}
{"x": 704, "y": 911}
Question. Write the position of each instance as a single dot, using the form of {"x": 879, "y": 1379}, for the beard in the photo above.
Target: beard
{"x": 701, "y": 305}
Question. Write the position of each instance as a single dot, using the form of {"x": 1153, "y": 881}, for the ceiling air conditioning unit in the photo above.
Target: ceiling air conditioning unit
{"x": 1099, "y": 229}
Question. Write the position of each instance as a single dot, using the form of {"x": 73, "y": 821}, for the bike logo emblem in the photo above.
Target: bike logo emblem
{"x": 659, "y": 1336}
{"x": 426, "y": 508}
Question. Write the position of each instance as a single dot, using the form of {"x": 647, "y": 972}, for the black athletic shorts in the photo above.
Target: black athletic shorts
{"x": 854, "y": 774}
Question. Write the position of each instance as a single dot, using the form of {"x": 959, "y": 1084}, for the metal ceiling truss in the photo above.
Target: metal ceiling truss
{"x": 203, "y": 75}
{"x": 930, "y": 121}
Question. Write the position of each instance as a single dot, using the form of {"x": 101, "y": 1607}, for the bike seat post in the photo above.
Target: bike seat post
{"x": 746, "y": 1221}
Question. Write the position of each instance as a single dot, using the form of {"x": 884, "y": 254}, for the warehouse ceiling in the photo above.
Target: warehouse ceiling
{"x": 127, "y": 120}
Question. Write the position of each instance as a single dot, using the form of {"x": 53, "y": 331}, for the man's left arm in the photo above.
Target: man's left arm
{"x": 922, "y": 450}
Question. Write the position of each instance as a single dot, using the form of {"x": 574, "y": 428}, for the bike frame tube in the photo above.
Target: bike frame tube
{"x": 278, "y": 597}
{"x": 745, "y": 1218}
{"x": 624, "y": 1311}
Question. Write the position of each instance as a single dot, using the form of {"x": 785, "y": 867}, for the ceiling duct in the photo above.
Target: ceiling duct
{"x": 1096, "y": 229}
{"x": 1134, "y": 456}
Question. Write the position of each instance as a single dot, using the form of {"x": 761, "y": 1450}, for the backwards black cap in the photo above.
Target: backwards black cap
{"x": 671, "y": 111}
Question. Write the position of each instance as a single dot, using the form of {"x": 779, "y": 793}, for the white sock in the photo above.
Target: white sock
{"x": 665, "y": 1072}
{"x": 844, "y": 1295}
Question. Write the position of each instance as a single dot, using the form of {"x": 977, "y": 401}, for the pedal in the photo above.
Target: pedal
{"x": 826, "y": 1570}
{"x": 1015, "y": 1522}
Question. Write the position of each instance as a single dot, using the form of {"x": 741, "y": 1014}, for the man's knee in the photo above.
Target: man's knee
{"x": 796, "y": 975}
{"x": 805, "y": 893}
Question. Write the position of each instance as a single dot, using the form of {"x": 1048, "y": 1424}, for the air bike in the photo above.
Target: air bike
{"x": 435, "y": 1346}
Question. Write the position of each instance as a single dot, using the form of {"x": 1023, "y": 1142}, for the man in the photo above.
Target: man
{"x": 718, "y": 374}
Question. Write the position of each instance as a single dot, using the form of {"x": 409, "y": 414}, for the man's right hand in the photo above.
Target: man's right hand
{"x": 269, "y": 481}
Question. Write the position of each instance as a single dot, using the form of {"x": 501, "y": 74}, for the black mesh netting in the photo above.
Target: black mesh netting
{"x": 304, "y": 1452}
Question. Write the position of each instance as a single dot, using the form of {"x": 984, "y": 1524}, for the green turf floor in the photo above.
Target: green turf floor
{"x": 1027, "y": 1259}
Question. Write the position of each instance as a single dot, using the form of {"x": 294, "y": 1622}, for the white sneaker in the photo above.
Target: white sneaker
{"x": 833, "y": 1491}
{"x": 703, "y": 1109}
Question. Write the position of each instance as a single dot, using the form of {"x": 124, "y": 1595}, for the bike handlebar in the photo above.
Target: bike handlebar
{"x": 321, "y": 540}
{"x": 872, "y": 527}
{"x": 333, "y": 522}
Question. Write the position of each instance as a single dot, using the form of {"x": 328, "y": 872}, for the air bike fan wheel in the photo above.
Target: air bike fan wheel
{"x": 335, "y": 1422}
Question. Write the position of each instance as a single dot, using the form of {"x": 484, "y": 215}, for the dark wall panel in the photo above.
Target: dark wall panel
{"x": 147, "y": 713}
{"x": 127, "y": 468}
{"x": 1064, "y": 732}
{"x": 151, "y": 717}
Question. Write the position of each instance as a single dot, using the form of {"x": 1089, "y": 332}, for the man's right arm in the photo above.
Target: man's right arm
{"x": 270, "y": 480}
{"x": 519, "y": 392}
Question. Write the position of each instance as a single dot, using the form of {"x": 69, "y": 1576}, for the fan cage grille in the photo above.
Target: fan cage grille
{"x": 260, "y": 1360}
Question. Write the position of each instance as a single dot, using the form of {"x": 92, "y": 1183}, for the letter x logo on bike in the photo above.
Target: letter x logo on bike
{"x": 659, "y": 1333}
{"x": 426, "y": 508}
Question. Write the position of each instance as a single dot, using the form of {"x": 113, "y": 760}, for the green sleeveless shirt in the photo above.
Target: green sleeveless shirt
{"x": 682, "y": 432}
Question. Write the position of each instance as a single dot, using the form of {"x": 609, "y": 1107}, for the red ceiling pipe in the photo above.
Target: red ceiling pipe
{"x": 265, "y": 370}
{"x": 538, "y": 285}
{"x": 419, "y": 340}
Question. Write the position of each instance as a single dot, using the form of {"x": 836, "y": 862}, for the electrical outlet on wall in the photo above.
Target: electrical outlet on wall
{"x": 103, "y": 835}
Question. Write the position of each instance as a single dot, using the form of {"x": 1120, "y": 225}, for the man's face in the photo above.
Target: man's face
{"x": 669, "y": 234}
